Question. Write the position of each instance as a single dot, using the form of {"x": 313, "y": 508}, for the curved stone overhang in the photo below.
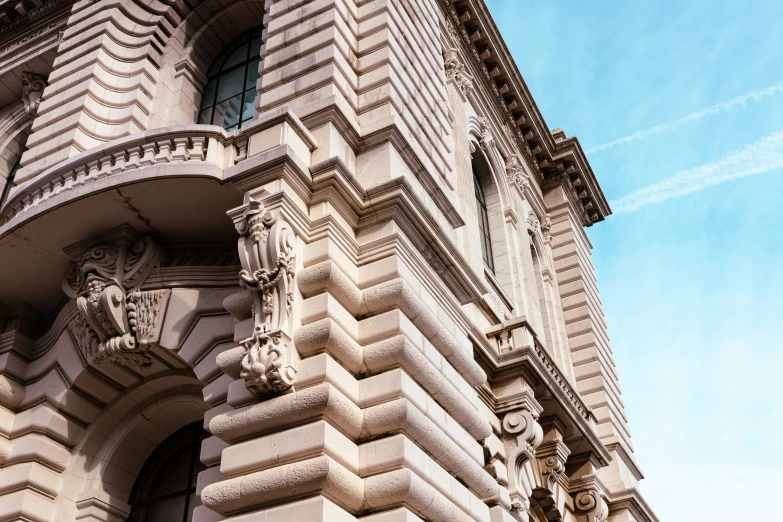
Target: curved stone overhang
{"x": 167, "y": 183}
{"x": 555, "y": 159}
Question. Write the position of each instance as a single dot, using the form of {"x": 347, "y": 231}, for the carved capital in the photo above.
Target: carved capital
{"x": 32, "y": 89}
{"x": 456, "y": 72}
{"x": 486, "y": 139}
{"x": 116, "y": 321}
{"x": 516, "y": 173}
{"x": 532, "y": 223}
{"x": 267, "y": 252}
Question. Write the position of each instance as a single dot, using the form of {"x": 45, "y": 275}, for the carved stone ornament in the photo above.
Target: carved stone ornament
{"x": 486, "y": 140}
{"x": 32, "y": 90}
{"x": 117, "y": 321}
{"x": 456, "y": 72}
{"x": 267, "y": 254}
{"x": 526, "y": 435}
{"x": 546, "y": 228}
{"x": 591, "y": 502}
{"x": 549, "y": 466}
{"x": 516, "y": 173}
{"x": 532, "y": 223}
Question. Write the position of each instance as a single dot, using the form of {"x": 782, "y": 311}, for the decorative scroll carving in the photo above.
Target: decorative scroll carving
{"x": 267, "y": 254}
{"x": 591, "y": 501}
{"x": 546, "y": 228}
{"x": 32, "y": 90}
{"x": 549, "y": 466}
{"x": 532, "y": 223}
{"x": 456, "y": 72}
{"x": 516, "y": 173}
{"x": 486, "y": 139}
{"x": 525, "y": 435}
{"x": 116, "y": 321}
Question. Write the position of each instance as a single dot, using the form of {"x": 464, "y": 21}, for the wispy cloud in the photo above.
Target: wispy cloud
{"x": 760, "y": 156}
{"x": 709, "y": 111}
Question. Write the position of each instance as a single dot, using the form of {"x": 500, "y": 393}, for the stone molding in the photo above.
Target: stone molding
{"x": 116, "y": 321}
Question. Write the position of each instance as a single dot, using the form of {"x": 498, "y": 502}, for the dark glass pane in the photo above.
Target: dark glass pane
{"x": 231, "y": 84}
{"x": 236, "y": 57}
{"x": 173, "y": 476}
{"x": 249, "y": 110}
{"x": 209, "y": 94}
{"x": 255, "y": 47}
{"x": 169, "y": 510}
{"x": 227, "y": 112}
{"x": 205, "y": 116}
{"x": 195, "y": 501}
{"x": 252, "y": 74}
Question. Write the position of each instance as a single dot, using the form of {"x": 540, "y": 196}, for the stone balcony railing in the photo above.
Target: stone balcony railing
{"x": 185, "y": 150}
{"x": 205, "y": 144}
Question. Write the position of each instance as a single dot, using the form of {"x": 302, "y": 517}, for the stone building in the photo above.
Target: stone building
{"x": 295, "y": 260}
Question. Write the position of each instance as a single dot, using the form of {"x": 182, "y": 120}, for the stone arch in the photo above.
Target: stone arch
{"x": 194, "y": 45}
{"x": 15, "y": 127}
{"x": 488, "y": 166}
{"x": 119, "y": 442}
{"x": 92, "y": 417}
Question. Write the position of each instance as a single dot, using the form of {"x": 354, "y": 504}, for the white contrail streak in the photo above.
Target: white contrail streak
{"x": 760, "y": 156}
{"x": 714, "y": 109}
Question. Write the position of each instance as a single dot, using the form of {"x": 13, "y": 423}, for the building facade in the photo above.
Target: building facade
{"x": 311, "y": 260}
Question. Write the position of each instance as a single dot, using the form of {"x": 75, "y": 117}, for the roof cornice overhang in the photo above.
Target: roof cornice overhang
{"x": 556, "y": 159}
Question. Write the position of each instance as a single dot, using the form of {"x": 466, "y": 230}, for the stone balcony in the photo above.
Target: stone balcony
{"x": 174, "y": 182}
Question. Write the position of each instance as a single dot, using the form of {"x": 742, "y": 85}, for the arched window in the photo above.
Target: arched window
{"x": 165, "y": 490}
{"x": 483, "y": 219}
{"x": 231, "y": 89}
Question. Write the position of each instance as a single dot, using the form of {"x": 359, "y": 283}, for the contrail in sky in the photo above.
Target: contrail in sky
{"x": 714, "y": 109}
{"x": 760, "y": 156}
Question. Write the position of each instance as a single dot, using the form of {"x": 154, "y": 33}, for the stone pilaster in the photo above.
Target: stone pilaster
{"x": 588, "y": 339}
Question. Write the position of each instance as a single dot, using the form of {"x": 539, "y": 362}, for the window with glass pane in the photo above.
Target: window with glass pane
{"x": 165, "y": 490}
{"x": 231, "y": 89}
{"x": 483, "y": 219}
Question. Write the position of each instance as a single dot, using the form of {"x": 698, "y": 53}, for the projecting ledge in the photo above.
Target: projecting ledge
{"x": 515, "y": 351}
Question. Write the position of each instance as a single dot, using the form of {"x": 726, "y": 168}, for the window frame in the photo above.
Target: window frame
{"x": 247, "y": 40}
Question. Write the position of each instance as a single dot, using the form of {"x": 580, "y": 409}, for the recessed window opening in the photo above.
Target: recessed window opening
{"x": 231, "y": 90}
{"x": 482, "y": 178}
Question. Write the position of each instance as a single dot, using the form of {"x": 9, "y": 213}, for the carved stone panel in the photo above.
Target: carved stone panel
{"x": 117, "y": 321}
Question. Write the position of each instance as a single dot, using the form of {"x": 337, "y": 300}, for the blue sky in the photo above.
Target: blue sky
{"x": 689, "y": 265}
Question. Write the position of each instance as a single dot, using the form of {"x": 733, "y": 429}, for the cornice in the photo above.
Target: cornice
{"x": 25, "y": 15}
{"x": 556, "y": 159}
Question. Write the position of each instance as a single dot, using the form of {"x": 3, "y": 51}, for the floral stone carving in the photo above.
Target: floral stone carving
{"x": 267, "y": 254}
{"x": 117, "y": 321}
{"x": 32, "y": 91}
